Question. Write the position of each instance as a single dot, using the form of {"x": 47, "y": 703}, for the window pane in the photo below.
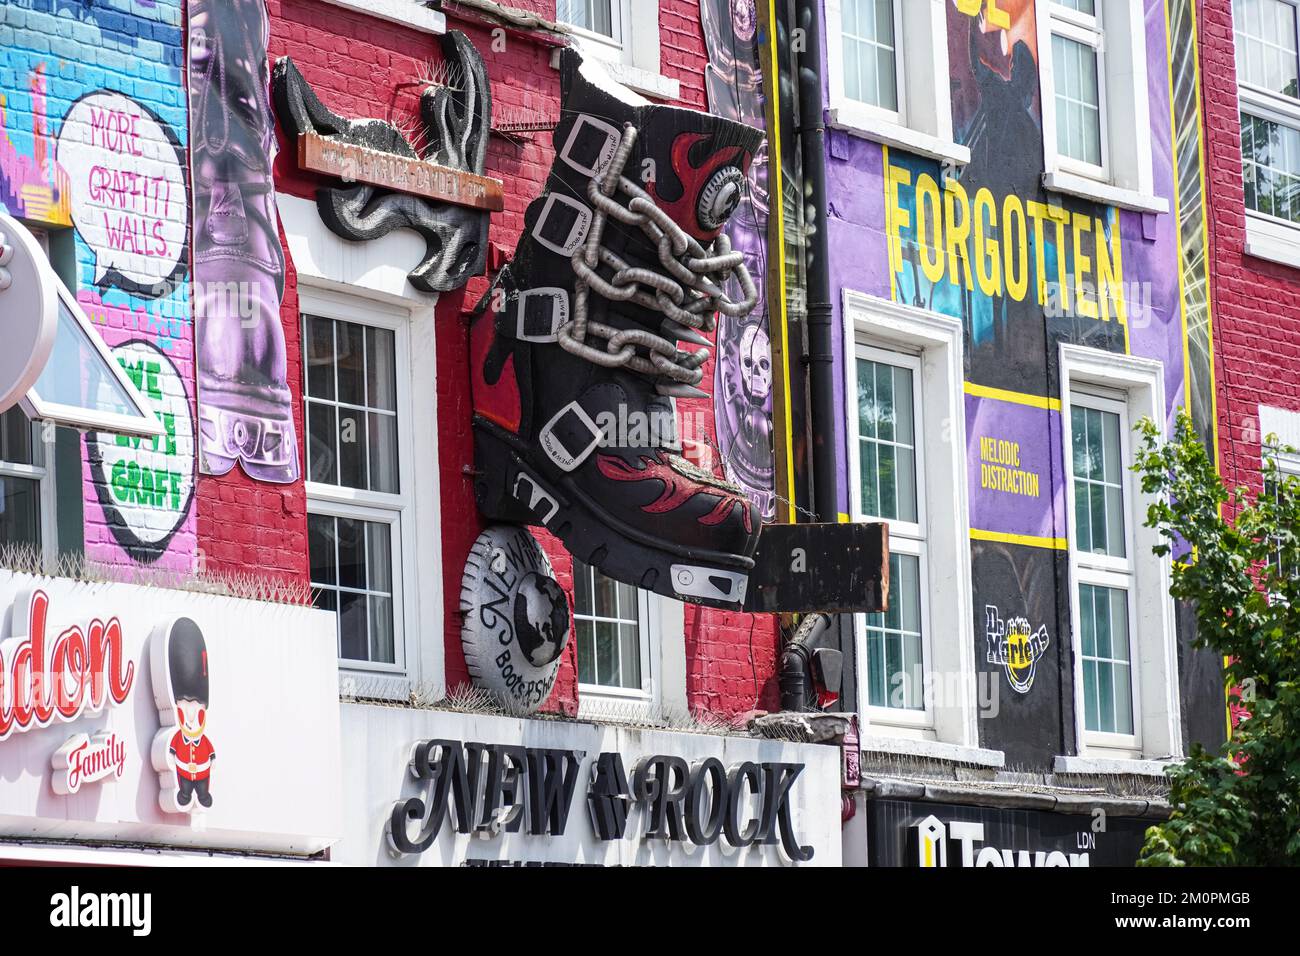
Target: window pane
{"x": 586, "y": 651}
{"x": 870, "y": 68}
{"x": 1083, "y": 6}
{"x": 322, "y": 443}
{"x": 887, "y": 441}
{"x": 1078, "y": 101}
{"x": 320, "y": 357}
{"x": 1271, "y": 167}
{"x": 354, "y": 642}
{"x": 320, "y": 548}
{"x": 352, "y": 553}
{"x": 1099, "y": 471}
{"x": 1107, "y": 673}
{"x": 383, "y": 453}
{"x": 15, "y": 438}
{"x": 629, "y": 653}
{"x": 594, "y": 15}
{"x": 1088, "y": 620}
{"x": 894, "y": 643}
{"x": 379, "y": 557}
{"x": 20, "y": 513}
{"x": 582, "y": 598}
{"x": 352, "y": 448}
{"x": 381, "y": 375}
{"x": 605, "y": 596}
{"x": 382, "y": 649}
{"x": 351, "y": 363}
{"x": 1265, "y": 39}
{"x": 606, "y": 653}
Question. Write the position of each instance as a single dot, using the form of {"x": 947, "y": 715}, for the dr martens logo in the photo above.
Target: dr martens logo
{"x": 1012, "y": 645}
{"x": 78, "y": 673}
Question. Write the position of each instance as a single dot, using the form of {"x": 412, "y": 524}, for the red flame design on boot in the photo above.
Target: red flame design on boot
{"x": 693, "y": 178}
{"x": 678, "y": 489}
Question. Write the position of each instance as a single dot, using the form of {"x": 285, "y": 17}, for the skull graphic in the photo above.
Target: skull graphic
{"x": 756, "y": 363}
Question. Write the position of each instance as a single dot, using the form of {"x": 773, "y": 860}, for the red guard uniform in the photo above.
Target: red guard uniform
{"x": 193, "y": 767}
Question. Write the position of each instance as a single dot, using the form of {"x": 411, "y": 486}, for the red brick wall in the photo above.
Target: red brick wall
{"x": 364, "y": 67}
{"x": 730, "y": 657}
{"x": 1256, "y": 303}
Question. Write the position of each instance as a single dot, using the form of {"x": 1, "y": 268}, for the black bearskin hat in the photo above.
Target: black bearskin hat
{"x": 187, "y": 656}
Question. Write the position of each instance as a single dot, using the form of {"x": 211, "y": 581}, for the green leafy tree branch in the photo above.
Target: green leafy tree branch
{"x": 1240, "y": 807}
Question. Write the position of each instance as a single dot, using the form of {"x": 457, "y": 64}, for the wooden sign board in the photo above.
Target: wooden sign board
{"x": 835, "y": 568}
{"x": 329, "y": 157}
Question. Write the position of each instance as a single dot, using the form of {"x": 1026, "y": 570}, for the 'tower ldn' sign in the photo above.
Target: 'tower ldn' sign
{"x": 914, "y": 833}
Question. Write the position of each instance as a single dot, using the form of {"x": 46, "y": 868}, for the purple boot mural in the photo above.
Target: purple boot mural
{"x": 245, "y": 407}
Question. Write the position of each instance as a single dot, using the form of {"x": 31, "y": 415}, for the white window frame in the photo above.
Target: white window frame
{"x": 647, "y": 644}
{"x": 42, "y": 472}
{"x": 896, "y": 116}
{"x": 1088, "y": 30}
{"x": 905, "y": 537}
{"x": 1106, "y": 570}
{"x": 1284, "y": 425}
{"x": 1268, "y": 237}
{"x": 416, "y": 543}
{"x": 408, "y": 13}
{"x": 948, "y": 728}
{"x": 923, "y": 122}
{"x": 662, "y": 623}
{"x": 1135, "y": 385}
{"x": 632, "y": 56}
{"x": 1118, "y": 32}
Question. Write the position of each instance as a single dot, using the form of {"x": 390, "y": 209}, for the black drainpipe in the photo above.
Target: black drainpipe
{"x": 821, "y": 319}
{"x": 820, "y": 310}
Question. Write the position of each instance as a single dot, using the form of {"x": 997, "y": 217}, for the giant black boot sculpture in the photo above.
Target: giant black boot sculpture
{"x": 576, "y": 352}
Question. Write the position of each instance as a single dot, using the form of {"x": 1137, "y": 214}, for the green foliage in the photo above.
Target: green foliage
{"x": 1242, "y": 806}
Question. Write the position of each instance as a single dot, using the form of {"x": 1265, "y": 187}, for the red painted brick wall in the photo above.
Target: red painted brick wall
{"x": 364, "y": 67}
{"x": 1256, "y": 303}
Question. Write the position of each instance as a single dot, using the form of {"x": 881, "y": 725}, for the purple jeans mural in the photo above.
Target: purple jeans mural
{"x": 743, "y": 373}
{"x": 245, "y": 407}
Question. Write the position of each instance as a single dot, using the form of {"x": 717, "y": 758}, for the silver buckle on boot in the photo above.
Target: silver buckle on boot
{"x": 555, "y": 448}
{"x": 550, "y": 312}
{"x": 571, "y": 240}
{"x": 594, "y": 140}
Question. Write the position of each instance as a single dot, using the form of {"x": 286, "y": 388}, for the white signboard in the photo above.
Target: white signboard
{"x": 433, "y": 788}
{"x": 145, "y": 715}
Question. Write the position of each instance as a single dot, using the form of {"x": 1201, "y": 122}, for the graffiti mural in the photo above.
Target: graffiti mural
{"x": 1025, "y": 269}
{"x": 1200, "y": 396}
{"x": 99, "y": 161}
{"x": 456, "y": 120}
{"x": 245, "y": 409}
{"x": 743, "y": 392}
{"x": 145, "y": 486}
{"x": 126, "y": 172}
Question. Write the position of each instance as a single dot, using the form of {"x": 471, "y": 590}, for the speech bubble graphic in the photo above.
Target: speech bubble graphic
{"x": 145, "y": 485}
{"x": 129, "y": 199}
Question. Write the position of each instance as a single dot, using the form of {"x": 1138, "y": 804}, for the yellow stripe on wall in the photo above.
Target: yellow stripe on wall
{"x": 1028, "y": 540}
{"x": 1006, "y": 395}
